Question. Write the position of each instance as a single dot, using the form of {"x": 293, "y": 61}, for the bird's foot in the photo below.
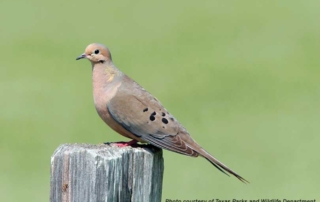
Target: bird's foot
{"x": 123, "y": 144}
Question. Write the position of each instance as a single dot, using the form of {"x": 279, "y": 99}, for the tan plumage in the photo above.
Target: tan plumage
{"x": 134, "y": 113}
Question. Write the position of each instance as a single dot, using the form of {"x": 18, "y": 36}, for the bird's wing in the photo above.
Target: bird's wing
{"x": 143, "y": 115}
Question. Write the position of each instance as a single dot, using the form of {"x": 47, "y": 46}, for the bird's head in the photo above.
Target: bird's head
{"x": 96, "y": 53}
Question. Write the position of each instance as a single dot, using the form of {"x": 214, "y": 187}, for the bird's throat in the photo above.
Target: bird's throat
{"x": 103, "y": 74}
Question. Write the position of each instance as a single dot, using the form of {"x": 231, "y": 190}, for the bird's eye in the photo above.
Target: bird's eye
{"x": 96, "y": 51}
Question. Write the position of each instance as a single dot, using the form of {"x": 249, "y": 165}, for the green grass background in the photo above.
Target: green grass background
{"x": 241, "y": 76}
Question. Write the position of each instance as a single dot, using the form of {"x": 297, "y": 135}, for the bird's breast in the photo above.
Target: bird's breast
{"x": 102, "y": 96}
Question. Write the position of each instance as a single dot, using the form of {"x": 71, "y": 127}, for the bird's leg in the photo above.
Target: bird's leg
{"x": 123, "y": 144}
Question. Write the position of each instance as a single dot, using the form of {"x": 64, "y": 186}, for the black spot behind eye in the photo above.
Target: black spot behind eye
{"x": 145, "y": 109}
{"x": 96, "y": 51}
{"x": 164, "y": 120}
{"x": 153, "y": 113}
{"x": 163, "y": 114}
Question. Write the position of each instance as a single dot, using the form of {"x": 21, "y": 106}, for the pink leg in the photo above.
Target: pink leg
{"x": 125, "y": 144}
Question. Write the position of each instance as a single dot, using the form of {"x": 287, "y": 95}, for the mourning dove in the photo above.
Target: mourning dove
{"x": 134, "y": 113}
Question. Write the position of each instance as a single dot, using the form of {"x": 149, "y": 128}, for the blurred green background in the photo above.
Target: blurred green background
{"x": 241, "y": 76}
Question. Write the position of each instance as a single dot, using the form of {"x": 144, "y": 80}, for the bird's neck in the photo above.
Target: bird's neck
{"x": 106, "y": 80}
{"x": 104, "y": 73}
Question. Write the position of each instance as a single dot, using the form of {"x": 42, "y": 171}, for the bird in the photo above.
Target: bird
{"x": 133, "y": 112}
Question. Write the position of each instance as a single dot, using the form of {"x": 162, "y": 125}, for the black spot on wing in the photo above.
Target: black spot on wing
{"x": 152, "y": 116}
{"x": 164, "y": 120}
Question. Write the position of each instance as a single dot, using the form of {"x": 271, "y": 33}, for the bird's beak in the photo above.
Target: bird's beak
{"x": 81, "y": 56}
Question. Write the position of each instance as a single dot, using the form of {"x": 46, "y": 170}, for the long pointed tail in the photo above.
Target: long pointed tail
{"x": 220, "y": 166}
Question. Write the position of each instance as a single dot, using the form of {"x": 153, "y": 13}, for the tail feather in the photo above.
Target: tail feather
{"x": 220, "y": 166}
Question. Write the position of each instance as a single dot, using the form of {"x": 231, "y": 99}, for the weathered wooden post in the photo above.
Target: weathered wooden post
{"x": 98, "y": 173}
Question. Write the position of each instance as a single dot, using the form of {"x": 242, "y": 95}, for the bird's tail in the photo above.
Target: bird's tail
{"x": 219, "y": 165}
